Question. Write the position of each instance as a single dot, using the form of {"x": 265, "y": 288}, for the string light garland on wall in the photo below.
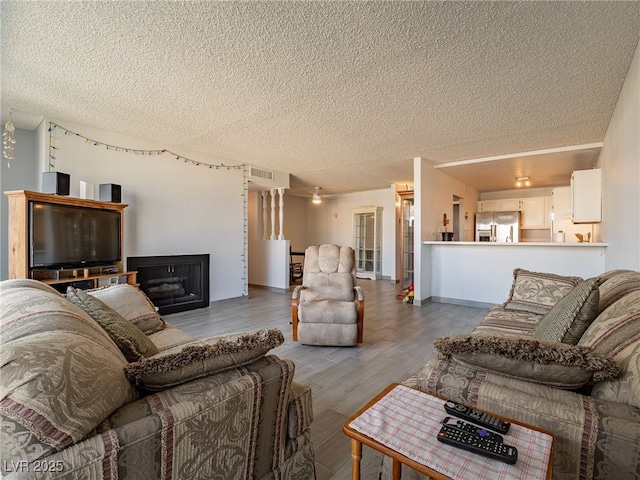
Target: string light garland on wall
{"x": 151, "y": 152}
{"x": 133, "y": 151}
{"x": 52, "y": 148}
{"x": 9, "y": 141}
{"x": 245, "y": 231}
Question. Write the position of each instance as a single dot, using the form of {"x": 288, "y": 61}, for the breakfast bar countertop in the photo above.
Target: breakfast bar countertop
{"x": 481, "y": 273}
{"x": 520, "y": 244}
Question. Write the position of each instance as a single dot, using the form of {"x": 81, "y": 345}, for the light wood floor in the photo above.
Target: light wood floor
{"x": 398, "y": 340}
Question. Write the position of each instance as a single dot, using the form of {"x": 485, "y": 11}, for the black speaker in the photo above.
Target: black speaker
{"x": 110, "y": 192}
{"x": 56, "y": 182}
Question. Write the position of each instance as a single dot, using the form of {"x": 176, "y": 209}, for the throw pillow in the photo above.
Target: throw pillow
{"x": 616, "y": 333}
{"x": 548, "y": 363}
{"x": 570, "y": 317}
{"x": 132, "y": 304}
{"x": 616, "y": 284}
{"x": 538, "y": 292}
{"x": 61, "y": 374}
{"x": 131, "y": 341}
{"x": 184, "y": 363}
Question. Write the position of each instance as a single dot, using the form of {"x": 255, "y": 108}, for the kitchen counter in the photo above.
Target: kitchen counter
{"x": 521, "y": 244}
{"x": 481, "y": 273}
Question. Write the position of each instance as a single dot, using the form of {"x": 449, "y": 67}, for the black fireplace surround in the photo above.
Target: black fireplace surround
{"x": 174, "y": 283}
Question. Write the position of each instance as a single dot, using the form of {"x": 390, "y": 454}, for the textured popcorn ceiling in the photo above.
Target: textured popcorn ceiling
{"x": 340, "y": 94}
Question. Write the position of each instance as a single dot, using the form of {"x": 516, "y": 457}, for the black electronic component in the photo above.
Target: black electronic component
{"x": 474, "y": 429}
{"x": 480, "y": 418}
{"x": 473, "y": 443}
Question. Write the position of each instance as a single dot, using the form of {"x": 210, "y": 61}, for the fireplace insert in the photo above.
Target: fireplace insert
{"x": 174, "y": 283}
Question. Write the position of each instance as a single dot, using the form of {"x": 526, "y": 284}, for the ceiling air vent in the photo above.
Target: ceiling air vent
{"x": 257, "y": 172}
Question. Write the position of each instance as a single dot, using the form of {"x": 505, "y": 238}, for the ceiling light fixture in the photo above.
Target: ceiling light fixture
{"x": 9, "y": 141}
{"x": 523, "y": 181}
{"x": 316, "y": 196}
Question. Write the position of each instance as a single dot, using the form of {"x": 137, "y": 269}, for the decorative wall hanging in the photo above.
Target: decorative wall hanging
{"x": 9, "y": 141}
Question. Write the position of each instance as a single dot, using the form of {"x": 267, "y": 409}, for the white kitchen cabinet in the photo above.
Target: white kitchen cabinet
{"x": 488, "y": 205}
{"x": 561, "y": 203}
{"x": 500, "y": 205}
{"x": 367, "y": 242}
{"x": 561, "y": 207}
{"x": 510, "y": 205}
{"x": 535, "y": 213}
{"x": 586, "y": 196}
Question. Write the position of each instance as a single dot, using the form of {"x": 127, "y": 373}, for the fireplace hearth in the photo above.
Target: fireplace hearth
{"x": 174, "y": 283}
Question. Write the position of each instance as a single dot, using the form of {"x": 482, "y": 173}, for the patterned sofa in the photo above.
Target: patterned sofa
{"x": 562, "y": 354}
{"x": 97, "y": 386}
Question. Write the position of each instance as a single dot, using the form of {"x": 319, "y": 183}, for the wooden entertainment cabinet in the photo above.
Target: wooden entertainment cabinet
{"x": 19, "y": 245}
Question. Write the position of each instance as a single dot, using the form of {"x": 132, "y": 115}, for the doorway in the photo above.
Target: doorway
{"x": 406, "y": 235}
{"x": 456, "y": 218}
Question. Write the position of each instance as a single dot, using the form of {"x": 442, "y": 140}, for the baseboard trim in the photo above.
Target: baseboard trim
{"x": 244, "y": 298}
{"x": 271, "y": 289}
{"x": 459, "y": 301}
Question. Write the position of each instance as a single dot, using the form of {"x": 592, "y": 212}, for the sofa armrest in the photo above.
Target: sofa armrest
{"x": 616, "y": 448}
{"x": 295, "y": 299}
{"x": 590, "y": 436}
{"x": 359, "y": 293}
{"x": 300, "y": 411}
{"x": 295, "y": 295}
{"x": 235, "y": 421}
{"x": 360, "y": 305}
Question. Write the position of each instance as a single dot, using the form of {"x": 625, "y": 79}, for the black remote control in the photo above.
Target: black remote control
{"x": 481, "y": 418}
{"x": 473, "y": 443}
{"x": 470, "y": 428}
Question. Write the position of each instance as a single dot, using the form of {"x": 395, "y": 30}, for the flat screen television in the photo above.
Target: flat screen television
{"x": 69, "y": 236}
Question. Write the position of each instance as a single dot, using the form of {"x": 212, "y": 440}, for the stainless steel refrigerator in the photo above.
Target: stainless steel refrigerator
{"x": 498, "y": 226}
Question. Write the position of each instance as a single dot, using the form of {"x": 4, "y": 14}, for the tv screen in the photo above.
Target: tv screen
{"x": 65, "y": 236}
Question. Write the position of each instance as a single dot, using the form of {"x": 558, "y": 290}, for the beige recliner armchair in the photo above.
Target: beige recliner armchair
{"x": 328, "y": 308}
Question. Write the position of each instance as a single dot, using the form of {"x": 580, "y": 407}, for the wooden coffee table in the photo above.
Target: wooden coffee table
{"x": 403, "y": 422}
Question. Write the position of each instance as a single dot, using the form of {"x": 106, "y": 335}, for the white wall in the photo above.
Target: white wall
{"x": 439, "y": 189}
{"x": 332, "y": 222}
{"x": 434, "y": 191}
{"x": 175, "y": 207}
{"x": 307, "y": 224}
{"x": 423, "y": 178}
{"x": 22, "y": 175}
{"x": 296, "y": 222}
{"x": 268, "y": 261}
{"x": 620, "y": 163}
{"x": 483, "y": 273}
